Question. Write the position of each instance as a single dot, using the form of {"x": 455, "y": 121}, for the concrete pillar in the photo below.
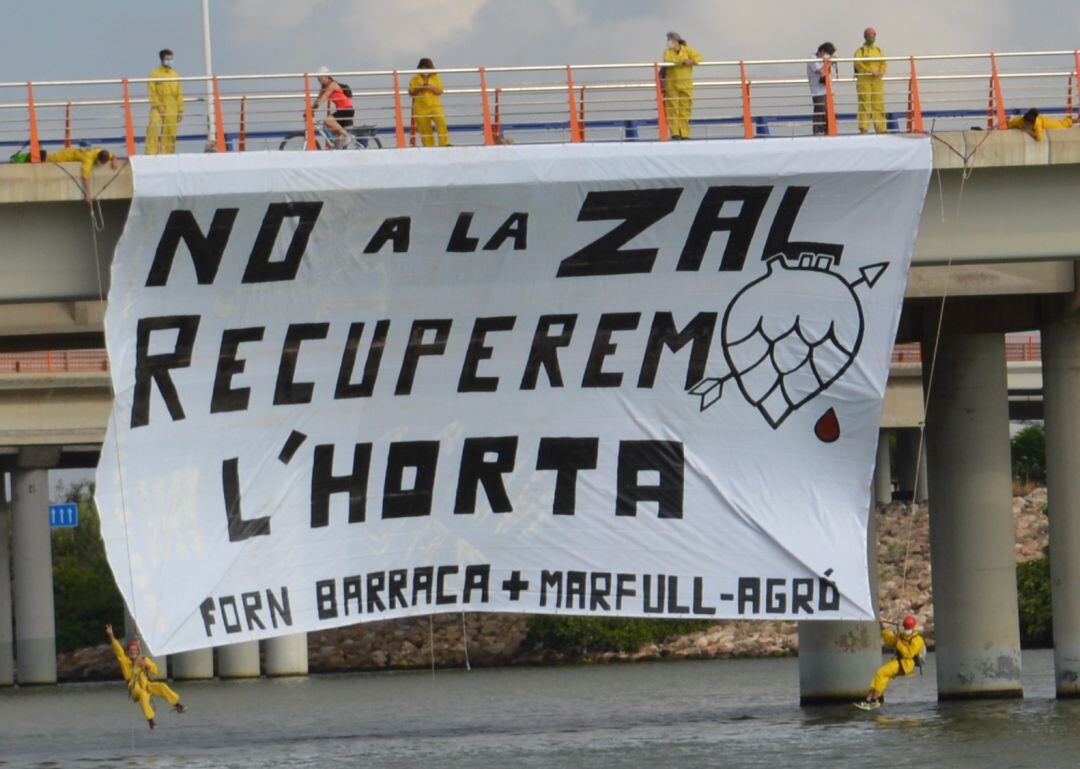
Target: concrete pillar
{"x": 910, "y": 481}
{"x": 7, "y": 637}
{"x": 837, "y": 659}
{"x": 287, "y": 655}
{"x": 971, "y": 525}
{"x": 238, "y": 660}
{"x": 35, "y": 628}
{"x": 1061, "y": 408}
{"x": 883, "y": 471}
{"x": 195, "y": 665}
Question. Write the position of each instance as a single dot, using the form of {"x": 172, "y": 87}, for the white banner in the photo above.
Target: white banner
{"x": 623, "y": 379}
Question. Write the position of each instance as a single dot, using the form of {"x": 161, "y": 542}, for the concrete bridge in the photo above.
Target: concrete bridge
{"x": 998, "y": 240}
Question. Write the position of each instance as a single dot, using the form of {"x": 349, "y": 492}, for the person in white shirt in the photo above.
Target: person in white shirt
{"x": 815, "y": 73}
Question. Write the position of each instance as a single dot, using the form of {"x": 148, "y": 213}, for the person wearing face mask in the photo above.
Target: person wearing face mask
{"x": 679, "y": 84}
{"x": 425, "y": 88}
{"x": 815, "y": 73}
{"x": 166, "y": 106}
{"x": 910, "y": 650}
{"x": 870, "y": 83}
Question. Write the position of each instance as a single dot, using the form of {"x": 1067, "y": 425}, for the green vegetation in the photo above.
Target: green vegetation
{"x": 1033, "y": 598}
{"x": 576, "y": 636}
{"x": 85, "y": 594}
{"x": 1029, "y": 455}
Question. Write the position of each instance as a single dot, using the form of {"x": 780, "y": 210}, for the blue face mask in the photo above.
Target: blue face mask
{"x": 167, "y": 63}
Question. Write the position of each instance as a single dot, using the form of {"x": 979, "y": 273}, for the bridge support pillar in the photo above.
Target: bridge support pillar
{"x": 910, "y": 482}
{"x": 35, "y": 629}
{"x": 239, "y": 660}
{"x": 883, "y": 471}
{"x": 1061, "y": 404}
{"x": 971, "y": 524}
{"x": 838, "y": 658}
{"x": 195, "y": 665}
{"x": 287, "y": 655}
{"x": 7, "y": 637}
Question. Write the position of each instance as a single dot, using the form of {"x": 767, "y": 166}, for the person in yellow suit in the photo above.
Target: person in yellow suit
{"x": 870, "y": 83}
{"x": 427, "y": 112}
{"x": 166, "y": 107}
{"x": 1036, "y": 125}
{"x": 137, "y": 671}
{"x": 910, "y": 648}
{"x": 679, "y": 84}
{"x": 88, "y": 157}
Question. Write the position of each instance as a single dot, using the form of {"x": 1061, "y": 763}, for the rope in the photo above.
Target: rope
{"x": 465, "y": 640}
{"x": 97, "y": 224}
{"x": 913, "y": 509}
{"x": 431, "y": 643}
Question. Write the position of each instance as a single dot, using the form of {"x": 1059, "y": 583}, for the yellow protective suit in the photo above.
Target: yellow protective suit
{"x": 907, "y": 649}
{"x": 679, "y": 90}
{"x": 1041, "y": 125}
{"x": 427, "y": 111}
{"x": 84, "y": 155}
{"x": 140, "y": 685}
{"x": 166, "y": 94}
{"x": 871, "y": 89}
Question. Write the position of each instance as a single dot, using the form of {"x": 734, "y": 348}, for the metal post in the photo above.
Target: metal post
{"x": 830, "y": 102}
{"x": 35, "y": 144}
{"x": 309, "y": 117}
{"x": 209, "y": 67}
{"x": 915, "y": 121}
{"x": 747, "y": 120}
{"x": 220, "y": 123}
{"x": 129, "y": 124}
{"x": 489, "y": 137}
{"x": 575, "y": 126}
{"x": 661, "y": 107}
{"x": 399, "y": 116}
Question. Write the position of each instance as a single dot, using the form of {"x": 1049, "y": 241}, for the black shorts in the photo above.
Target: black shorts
{"x": 344, "y": 117}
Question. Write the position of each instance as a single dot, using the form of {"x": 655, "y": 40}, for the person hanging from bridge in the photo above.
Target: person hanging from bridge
{"x": 910, "y": 651}
{"x": 870, "y": 83}
{"x": 338, "y": 98}
{"x": 1036, "y": 125}
{"x": 679, "y": 84}
{"x": 88, "y": 157}
{"x": 427, "y": 112}
{"x": 138, "y": 673}
{"x": 166, "y": 96}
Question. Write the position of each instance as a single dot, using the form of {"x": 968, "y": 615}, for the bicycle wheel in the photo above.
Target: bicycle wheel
{"x": 294, "y": 142}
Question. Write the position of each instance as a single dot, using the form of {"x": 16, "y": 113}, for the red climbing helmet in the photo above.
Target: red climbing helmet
{"x": 910, "y": 622}
{"x": 869, "y": 32}
{"x": 133, "y": 645}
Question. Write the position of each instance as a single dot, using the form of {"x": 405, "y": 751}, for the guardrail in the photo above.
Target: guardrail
{"x": 54, "y": 362}
{"x": 1018, "y": 348}
{"x": 589, "y": 102}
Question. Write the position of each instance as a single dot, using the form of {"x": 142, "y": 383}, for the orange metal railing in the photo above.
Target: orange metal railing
{"x": 1019, "y": 348}
{"x": 732, "y": 99}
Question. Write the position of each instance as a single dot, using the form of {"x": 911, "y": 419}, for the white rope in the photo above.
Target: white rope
{"x": 465, "y": 640}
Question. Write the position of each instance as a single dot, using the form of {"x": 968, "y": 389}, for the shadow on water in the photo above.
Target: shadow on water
{"x": 739, "y": 713}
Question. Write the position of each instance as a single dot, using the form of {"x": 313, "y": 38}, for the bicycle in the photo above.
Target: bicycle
{"x": 360, "y": 137}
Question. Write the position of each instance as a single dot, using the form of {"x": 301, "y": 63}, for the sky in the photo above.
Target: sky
{"x": 114, "y": 38}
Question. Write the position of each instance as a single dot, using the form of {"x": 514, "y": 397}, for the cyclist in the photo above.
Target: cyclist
{"x": 340, "y": 102}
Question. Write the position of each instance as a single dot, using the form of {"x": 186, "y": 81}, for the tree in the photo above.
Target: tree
{"x": 85, "y": 594}
{"x": 1029, "y": 454}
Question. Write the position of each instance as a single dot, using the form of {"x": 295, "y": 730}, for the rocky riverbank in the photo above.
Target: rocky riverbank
{"x": 450, "y": 641}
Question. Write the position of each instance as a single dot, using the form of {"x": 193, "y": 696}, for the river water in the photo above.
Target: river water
{"x": 733, "y": 713}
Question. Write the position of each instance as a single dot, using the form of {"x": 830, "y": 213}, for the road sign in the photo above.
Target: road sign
{"x": 65, "y": 516}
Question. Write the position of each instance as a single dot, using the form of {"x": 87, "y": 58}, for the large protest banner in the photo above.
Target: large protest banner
{"x": 609, "y": 379}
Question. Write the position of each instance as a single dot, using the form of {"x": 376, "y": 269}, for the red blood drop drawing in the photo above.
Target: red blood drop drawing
{"x": 827, "y": 428}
